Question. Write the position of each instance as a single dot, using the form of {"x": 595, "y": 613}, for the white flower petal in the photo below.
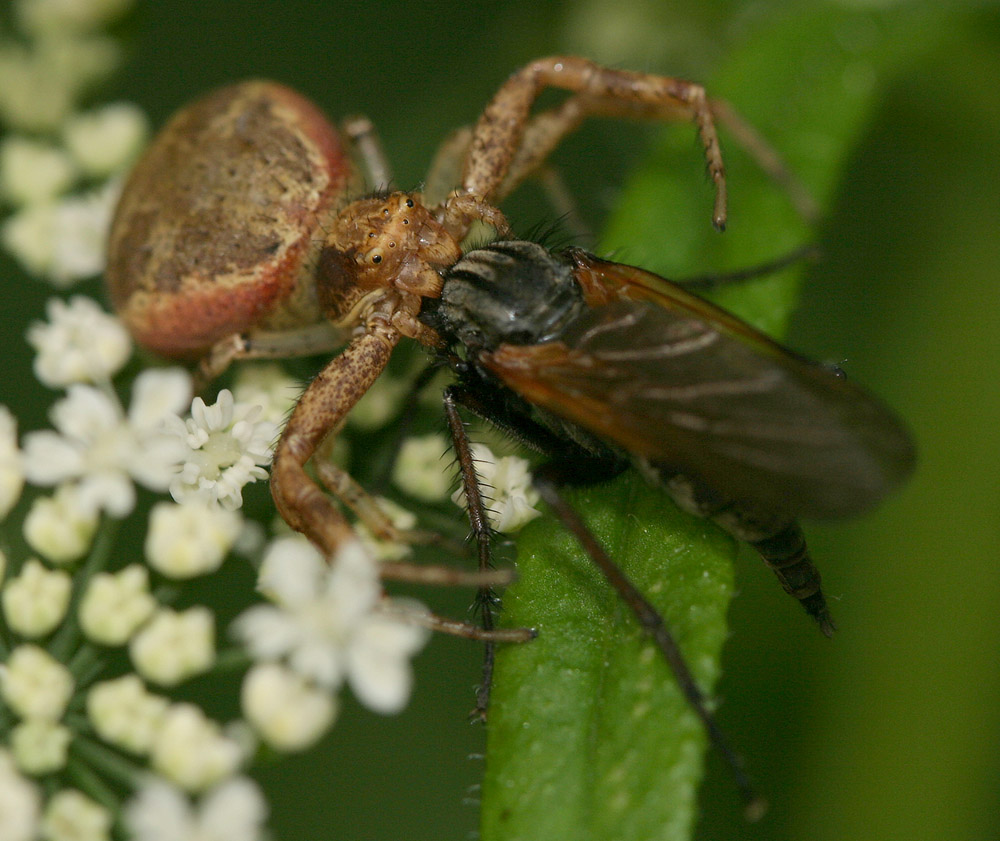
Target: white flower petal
{"x": 267, "y": 632}
{"x": 35, "y": 685}
{"x": 20, "y": 803}
{"x": 125, "y": 714}
{"x": 35, "y": 601}
{"x": 108, "y": 491}
{"x": 50, "y": 459}
{"x": 421, "y": 469}
{"x": 106, "y": 139}
{"x": 233, "y": 811}
{"x": 188, "y": 540}
{"x": 79, "y": 343}
{"x": 157, "y": 394}
{"x": 160, "y": 812}
{"x": 81, "y": 233}
{"x": 40, "y": 746}
{"x": 174, "y": 645}
{"x": 291, "y": 571}
{"x": 85, "y": 413}
{"x": 61, "y": 527}
{"x": 381, "y": 681}
{"x": 115, "y": 605}
{"x": 32, "y": 171}
{"x": 72, "y": 816}
{"x": 191, "y": 750}
{"x": 289, "y": 713}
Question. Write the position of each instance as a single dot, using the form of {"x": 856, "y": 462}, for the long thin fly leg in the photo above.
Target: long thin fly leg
{"x": 704, "y": 282}
{"x": 652, "y": 623}
{"x": 482, "y": 533}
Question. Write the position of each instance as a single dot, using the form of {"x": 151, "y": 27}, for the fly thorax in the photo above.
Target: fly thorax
{"x": 512, "y": 292}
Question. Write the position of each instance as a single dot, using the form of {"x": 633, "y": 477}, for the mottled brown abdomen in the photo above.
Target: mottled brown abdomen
{"x": 215, "y": 229}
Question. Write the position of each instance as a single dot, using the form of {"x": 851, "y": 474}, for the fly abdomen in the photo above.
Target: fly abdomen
{"x": 787, "y": 554}
{"x": 778, "y": 540}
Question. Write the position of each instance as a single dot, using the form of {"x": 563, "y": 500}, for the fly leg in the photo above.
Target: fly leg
{"x": 482, "y": 533}
{"x": 703, "y": 282}
{"x": 652, "y": 623}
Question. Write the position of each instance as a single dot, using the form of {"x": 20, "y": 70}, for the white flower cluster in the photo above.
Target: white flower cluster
{"x": 80, "y": 343}
{"x": 505, "y": 481}
{"x": 102, "y": 450}
{"x": 226, "y": 448}
{"x": 60, "y": 168}
{"x": 328, "y": 624}
{"x": 325, "y": 626}
{"x": 508, "y": 493}
{"x": 58, "y": 608}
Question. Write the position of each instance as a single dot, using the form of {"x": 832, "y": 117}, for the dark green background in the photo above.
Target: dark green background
{"x": 892, "y": 730}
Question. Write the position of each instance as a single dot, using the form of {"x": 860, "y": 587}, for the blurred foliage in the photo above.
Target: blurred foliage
{"x": 888, "y": 731}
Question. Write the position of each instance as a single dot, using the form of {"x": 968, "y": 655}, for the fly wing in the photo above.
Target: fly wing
{"x": 693, "y": 389}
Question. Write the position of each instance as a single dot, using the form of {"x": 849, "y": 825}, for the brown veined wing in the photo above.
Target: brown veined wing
{"x": 676, "y": 381}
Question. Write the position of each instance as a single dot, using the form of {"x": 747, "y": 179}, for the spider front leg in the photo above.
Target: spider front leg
{"x": 499, "y": 135}
{"x": 321, "y": 410}
{"x": 445, "y": 176}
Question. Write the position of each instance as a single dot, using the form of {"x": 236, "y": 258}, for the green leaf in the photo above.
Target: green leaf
{"x": 585, "y": 719}
{"x": 589, "y": 736}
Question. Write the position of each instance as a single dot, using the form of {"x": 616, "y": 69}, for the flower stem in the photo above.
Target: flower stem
{"x": 68, "y": 636}
{"x": 92, "y": 785}
{"x": 232, "y": 660}
{"x": 110, "y": 763}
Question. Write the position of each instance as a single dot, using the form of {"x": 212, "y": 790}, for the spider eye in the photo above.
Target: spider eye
{"x": 376, "y": 258}
{"x": 409, "y": 202}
